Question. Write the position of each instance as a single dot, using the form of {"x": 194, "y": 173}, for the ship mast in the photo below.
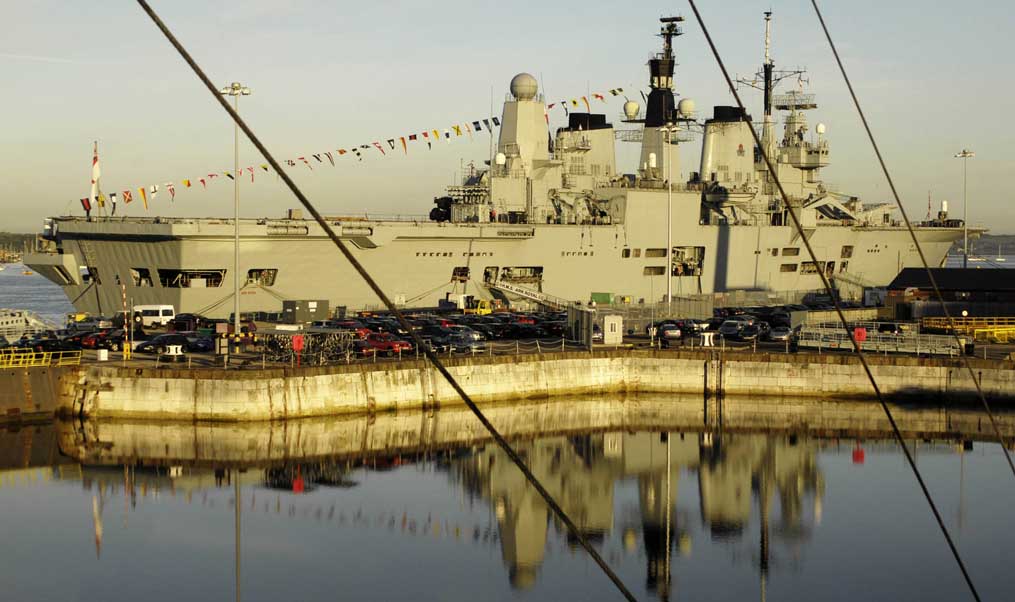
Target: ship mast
{"x": 769, "y": 78}
{"x": 767, "y": 67}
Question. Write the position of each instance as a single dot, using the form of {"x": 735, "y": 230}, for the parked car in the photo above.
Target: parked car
{"x": 466, "y": 331}
{"x": 162, "y": 342}
{"x": 730, "y": 329}
{"x": 50, "y": 345}
{"x": 780, "y": 334}
{"x": 466, "y": 344}
{"x": 755, "y": 332}
{"x": 89, "y": 340}
{"x": 74, "y": 339}
{"x": 113, "y": 340}
{"x": 382, "y": 343}
{"x": 669, "y": 332}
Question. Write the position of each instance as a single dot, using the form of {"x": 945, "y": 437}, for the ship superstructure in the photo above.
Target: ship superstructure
{"x": 550, "y": 219}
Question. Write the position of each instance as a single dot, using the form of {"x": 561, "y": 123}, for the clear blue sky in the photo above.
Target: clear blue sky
{"x": 934, "y": 77}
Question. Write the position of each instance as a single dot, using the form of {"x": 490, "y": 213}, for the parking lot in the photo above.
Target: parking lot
{"x": 379, "y": 337}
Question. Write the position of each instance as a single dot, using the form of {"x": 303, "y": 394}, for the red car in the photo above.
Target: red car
{"x": 90, "y": 341}
{"x": 383, "y": 343}
{"x": 114, "y": 340}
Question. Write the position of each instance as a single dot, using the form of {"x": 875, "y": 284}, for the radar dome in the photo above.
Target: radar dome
{"x": 685, "y": 108}
{"x": 820, "y": 129}
{"x": 631, "y": 109}
{"x": 524, "y": 87}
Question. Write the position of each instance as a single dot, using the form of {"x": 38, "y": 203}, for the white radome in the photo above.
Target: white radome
{"x": 631, "y": 109}
{"x": 524, "y": 86}
{"x": 685, "y": 108}
{"x": 820, "y": 129}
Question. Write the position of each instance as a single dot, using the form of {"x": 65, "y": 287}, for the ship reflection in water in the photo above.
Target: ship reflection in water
{"x": 731, "y": 473}
{"x": 790, "y": 502}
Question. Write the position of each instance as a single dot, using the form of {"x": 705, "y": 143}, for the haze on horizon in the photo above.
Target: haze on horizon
{"x": 333, "y": 75}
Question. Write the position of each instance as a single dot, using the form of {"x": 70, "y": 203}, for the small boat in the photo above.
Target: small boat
{"x": 27, "y": 273}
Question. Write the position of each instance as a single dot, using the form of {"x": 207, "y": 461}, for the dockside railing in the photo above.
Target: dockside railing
{"x": 22, "y": 358}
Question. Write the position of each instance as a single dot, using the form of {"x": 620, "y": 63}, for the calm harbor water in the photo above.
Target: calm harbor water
{"x": 423, "y": 507}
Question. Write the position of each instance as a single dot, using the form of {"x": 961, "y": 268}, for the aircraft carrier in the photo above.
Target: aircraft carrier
{"x": 549, "y": 219}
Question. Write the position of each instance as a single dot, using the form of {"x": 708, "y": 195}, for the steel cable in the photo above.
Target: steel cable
{"x": 430, "y": 355}
{"x": 838, "y": 309}
{"x": 912, "y": 233}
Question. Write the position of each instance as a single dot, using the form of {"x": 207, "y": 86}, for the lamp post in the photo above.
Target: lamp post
{"x": 667, "y": 131}
{"x": 965, "y": 155}
{"x": 236, "y": 89}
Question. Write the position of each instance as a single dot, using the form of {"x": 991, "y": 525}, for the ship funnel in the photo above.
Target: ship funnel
{"x": 727, "y": 151}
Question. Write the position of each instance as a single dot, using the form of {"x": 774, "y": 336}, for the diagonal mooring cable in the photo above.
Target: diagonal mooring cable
{"x": 912, "y": 233}
{"x": 430, "y": 355}
{"x": 838, "y": 309}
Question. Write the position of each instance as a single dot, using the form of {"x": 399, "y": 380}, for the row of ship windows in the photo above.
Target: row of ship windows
{"x": 809, "y": 267}
{"x": 170, "y": 278}
{"x": 451, "y": 254}
{"x": 626, "y": 253}
{"x": 845, "y": 253}
{"x": 806, "y": 267}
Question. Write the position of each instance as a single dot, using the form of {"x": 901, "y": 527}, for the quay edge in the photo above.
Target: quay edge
{"x": 108, "y": 391}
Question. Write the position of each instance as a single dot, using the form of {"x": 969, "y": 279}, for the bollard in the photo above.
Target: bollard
{"x": 399, "y": 354}
{"x": 262, "y": 360}
{"x": 562, "y": 344}
{"x": 516, "y": 346}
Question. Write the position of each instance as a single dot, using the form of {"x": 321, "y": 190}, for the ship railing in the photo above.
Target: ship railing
{"x": 23, "y": 358}
{"x": 380, "y": 217}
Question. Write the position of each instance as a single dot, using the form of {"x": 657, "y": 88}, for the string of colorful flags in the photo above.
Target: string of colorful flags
{"x": 148, "y": 194}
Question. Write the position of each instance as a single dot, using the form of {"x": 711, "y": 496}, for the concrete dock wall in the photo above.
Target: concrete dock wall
{"x": 113, "y": 392}
{"x": 29, "y": 393}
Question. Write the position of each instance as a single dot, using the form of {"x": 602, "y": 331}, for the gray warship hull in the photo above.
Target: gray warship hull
{"x": 418, "y": 263}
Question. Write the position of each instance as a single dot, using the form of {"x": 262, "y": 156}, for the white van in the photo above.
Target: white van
{"x": 153, "y": 315}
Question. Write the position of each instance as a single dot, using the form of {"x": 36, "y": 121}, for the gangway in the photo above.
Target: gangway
{"x": 555, "y": 303}
{"x": 829, "y": 336}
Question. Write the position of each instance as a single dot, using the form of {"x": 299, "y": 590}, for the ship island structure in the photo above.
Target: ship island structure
{"x": 550, "y": 217}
